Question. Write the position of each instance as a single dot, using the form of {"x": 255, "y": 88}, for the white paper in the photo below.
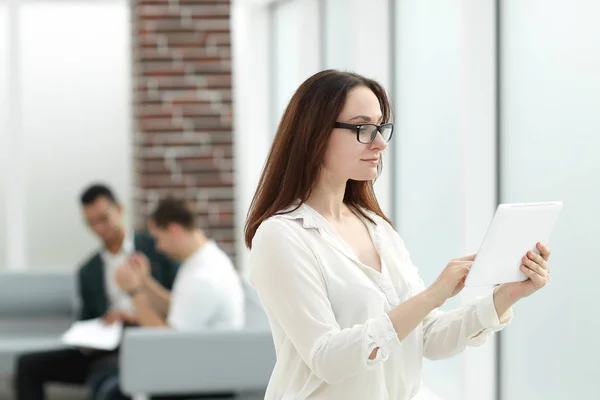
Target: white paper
{"x": 94, "y": 334}
{"x": 515, "y": 229}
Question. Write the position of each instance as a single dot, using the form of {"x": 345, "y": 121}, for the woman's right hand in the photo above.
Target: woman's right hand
{"x": 452, "y": 279}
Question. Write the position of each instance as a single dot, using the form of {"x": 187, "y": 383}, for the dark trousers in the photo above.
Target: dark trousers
{"x": 109, "y": 389}
{"x": 103, "y": 381}
{"x": 70, "y": 366}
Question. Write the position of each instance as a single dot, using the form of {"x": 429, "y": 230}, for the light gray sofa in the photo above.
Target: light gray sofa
{"x": 35, "y": 309}
{"x": 167, "y": 362}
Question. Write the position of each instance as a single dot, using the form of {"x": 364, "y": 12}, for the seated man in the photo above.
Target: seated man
{"x": 207, "y": 293}
{"x": 99, "y": 295}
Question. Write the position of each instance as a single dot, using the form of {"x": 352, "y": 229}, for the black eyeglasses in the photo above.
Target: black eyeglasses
{"x": 366, "y": 133}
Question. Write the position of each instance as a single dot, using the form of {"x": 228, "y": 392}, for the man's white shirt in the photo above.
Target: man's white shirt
{"x": 207, "y": 292}
{"x": 117, "y": 299}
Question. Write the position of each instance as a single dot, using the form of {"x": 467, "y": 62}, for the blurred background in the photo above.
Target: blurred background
{"x": 494, "y": 101}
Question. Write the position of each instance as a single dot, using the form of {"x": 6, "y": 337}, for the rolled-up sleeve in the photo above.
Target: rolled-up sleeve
{"x": 448, "y": 333}
{"x": 289, "y": 282}
{"x": 381, "y": 334}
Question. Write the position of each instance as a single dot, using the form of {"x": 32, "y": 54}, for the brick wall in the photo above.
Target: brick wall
{"x": 182, "y": 106}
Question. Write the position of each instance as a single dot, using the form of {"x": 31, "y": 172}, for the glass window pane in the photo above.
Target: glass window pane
{"x": 550, "y": 144}
{"x": 357, "y": 38}
{"x": 3, "y": 129}
{"x": 427, "y": 144}
{"x": 75, "y": 78}
{"x": 296, "y": 49}
{"x": 338, "y": 53}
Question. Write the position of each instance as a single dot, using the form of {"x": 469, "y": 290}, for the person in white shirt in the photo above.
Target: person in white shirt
{"x": 207, "y": 292}
{"x": 350, "y": 316}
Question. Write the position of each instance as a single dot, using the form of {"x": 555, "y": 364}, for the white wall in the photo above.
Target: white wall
{"x": 274, "y": 50}
{"x": 550, "y": 150}
{"x": 362, "y": 46}
{"x": 478, "y": 162}
{"x": 3, "y": 129}
{"x": 74, "y": 85}
{"x": 296, "y": 50}
{"x": 253, "y": 115}
{"x": 428, "y": 148}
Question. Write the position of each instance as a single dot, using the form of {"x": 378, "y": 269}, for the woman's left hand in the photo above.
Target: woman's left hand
{"x": 535, "y": 267}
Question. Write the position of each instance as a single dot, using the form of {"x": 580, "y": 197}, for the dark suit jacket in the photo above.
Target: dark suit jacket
{"x": 92, "y": 291}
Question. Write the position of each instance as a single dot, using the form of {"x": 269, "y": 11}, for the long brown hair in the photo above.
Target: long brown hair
{"x": 296, "y": 156}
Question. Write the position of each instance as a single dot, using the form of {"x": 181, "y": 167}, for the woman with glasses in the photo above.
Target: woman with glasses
{"x": 350, "y": 316}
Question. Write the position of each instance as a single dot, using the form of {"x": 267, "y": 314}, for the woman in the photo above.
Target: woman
{"x": 350, "y": 317}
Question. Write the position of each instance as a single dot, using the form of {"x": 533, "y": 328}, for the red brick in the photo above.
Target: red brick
{"x": 182, "y": 110}
{"x": 220, "y": 25}
{"x": 163, "y": 11}
{"x": 220, "y": 95}
{"x": 197, "y": 54}
{"x": 174, "y": 25}
{"x": 153, "y": 111}
{"x": 198, "y": 110}
{"x": 216, "y": 13}
{"x": 205, "y": 96}
{"x": 181, "y": 25}
{"x": 153, "y": 168}
{"x": 184, "y": 2}
{"x": 204, "y": 1}
{"x": 176, "y": 40}
{"x": 149, "y": 152}
{"x": 161, "y": 69}
{"x": 189, "y": 82}
{"x": 222, "y": 196}
{"x": 146, "y": 41}
{"x": 199, "y": 179}
{"x": 145, "y": 99}
{"x": 160, "y": 125}
{"x": 184, "y": 139}
{"x": 205, "y": 165}
{"x": 192, "y": 11}
{"x": 213, "y": 123}
{"x": 153, "y": 55}
{"x": 218, "y": 39}
{"x": 187, "y": 98}
{"x": 222, "y": 81}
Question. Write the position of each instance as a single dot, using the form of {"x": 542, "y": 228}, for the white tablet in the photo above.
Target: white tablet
{"x": 514, "y": 230}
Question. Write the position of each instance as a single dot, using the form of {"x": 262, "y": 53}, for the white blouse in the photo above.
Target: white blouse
{"x": 328, "y": 312}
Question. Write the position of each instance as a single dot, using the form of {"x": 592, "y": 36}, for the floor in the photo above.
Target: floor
{"x": 57, "y": 392}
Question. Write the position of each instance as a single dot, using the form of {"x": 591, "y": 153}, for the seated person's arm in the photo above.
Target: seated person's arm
{"x": 119, "y": 315}
{"x": 130, "y": 281}
{"x": 145, "y": 314}
{"x": 194, "y": 304}
{"x": 158, "y": 296}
